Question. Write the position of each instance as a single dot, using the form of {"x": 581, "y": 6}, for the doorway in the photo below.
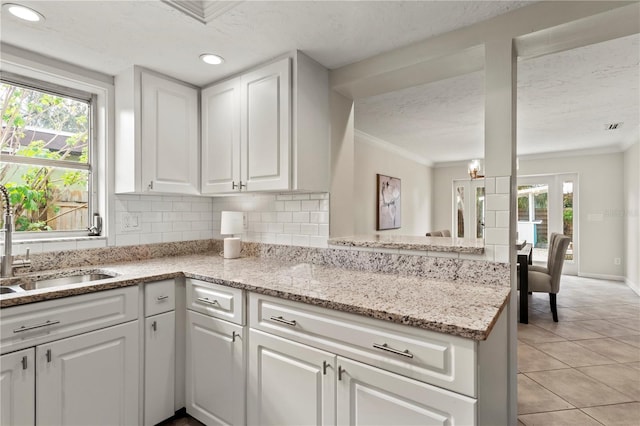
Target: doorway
{"x": 547, "y": 204}
{"x": 468, "y": 208}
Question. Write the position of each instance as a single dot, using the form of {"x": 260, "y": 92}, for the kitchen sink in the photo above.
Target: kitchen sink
{"x": 39, "y": 283}
{"x": 10, "y": 289}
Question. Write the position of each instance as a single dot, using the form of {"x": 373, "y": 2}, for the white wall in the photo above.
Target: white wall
{"x": 601, "y": 203}
{"x": 416, "y": 186}
{"x": 632, "y": 216}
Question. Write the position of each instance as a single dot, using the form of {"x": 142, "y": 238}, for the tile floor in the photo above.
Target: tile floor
{"x": 584, "y": 369}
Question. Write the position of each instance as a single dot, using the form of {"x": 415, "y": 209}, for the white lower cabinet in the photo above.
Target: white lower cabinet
{"x": 368, "y": 395}
{"x": 289, "y": 383}
{"x": 17, "y": 388}
{"x": 90, "y": 379}
{"x": 159, "y": 366}
{"x": 215, "y": 370}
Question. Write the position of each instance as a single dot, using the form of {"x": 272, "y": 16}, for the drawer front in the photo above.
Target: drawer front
{"x": 440, "y": 359}
{"x": 215, "y": 300}
{"x": 159, "y": 297}
{"x": 36, "y": 323}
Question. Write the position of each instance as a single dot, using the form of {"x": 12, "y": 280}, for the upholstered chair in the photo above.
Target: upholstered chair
{"x": 547, "y": 280}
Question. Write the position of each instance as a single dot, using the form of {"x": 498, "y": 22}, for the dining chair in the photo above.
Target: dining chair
{"x": 547, "y": 280}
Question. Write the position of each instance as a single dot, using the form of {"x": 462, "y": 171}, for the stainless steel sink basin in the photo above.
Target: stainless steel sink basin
{"x": 71, "y": 279}
{"x": 7, "y": 290}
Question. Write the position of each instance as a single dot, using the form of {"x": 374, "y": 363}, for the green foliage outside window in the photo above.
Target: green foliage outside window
{"x": 40, "y": 126}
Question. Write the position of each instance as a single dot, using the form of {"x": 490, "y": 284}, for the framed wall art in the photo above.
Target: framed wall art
{"x": 388, "y": 214}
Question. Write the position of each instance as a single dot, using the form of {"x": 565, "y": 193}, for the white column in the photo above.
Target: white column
{"x": 500, "y": 181}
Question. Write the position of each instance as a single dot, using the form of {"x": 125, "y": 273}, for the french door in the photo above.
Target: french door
{"x": 546, "y": 204}
{"x": 468, "y": 208}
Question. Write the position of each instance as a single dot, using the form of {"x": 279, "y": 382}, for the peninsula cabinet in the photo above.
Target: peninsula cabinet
{"x": 157, "y": 139}
{"x": 267, "y": 129}
{"x": 72, "y": 360}
{"x": 312, "y": 365}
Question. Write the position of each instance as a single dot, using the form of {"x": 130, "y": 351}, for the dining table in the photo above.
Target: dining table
{"x": 524, "y": 259}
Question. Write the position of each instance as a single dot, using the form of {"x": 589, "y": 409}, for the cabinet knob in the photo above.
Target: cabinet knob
{"x": 154, "y": 325}
{"x": 24, "y": 362}
{"x": 48, "y": 355}
{"x": 150, "y": 186}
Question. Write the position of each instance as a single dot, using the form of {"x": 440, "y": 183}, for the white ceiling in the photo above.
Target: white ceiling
{"x": 564, "y": 99}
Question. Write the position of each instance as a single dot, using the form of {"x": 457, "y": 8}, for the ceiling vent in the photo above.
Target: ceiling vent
{"x": 612, "y": 126}
{"x": 204, "y": 11}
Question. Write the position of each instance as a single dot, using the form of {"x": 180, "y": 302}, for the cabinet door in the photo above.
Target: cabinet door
{"x": 159, "y": 368}
{"x": 90, "y": 379}
{"x": 169, "y": 136}
{"x": 221, "y": 138}
{"x": 17, "y": 388}
{"x": 266, "y": 127}
{"x": 290, "y": 383}
{"x": 368, "y": 395}
{"x": 215, "y": 375}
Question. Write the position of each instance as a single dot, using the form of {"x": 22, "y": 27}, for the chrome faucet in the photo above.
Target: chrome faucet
{"x": 8, "y": 264}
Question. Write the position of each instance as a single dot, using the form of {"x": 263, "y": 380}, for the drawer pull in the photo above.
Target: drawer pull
{"x": 284, "y": 321}
{"x": 161, "y": 298}
{"x": 388, "y": 348}
{"x": 207, "y": 301}
{"x": 33, "y": 327}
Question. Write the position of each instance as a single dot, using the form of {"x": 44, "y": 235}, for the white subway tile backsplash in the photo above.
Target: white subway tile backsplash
{"x": 316, "y": 241}
{"x": 162, "y": 206}
{"x": 278, "y": 206}
{"x": 161, "y": 227}
{"x": 489, "y": 219}
{"x": 269, "y": 216}
{"x": 292, "y": 206}
{"x": 319, "y": 217}
{"x": 284, "y": 239}
{"x": 496, "y": 236}
{"x": 324, "y": 205}
{"x": 291, "y": 228}
{"x": 138, "y": 206}
{"x": 300, "y": 217}
{"x": 284, "y": 197}
{"x": 309, "y": 228}
{"x": 497, "y": 202}
{"x": 300, "y": 197}
{"x": 276, "y": 228}
{"x": 489, "y": 185}
{"x": 310, "y": 206}
{"x": 502, "y": 219}
{"x": 284, "y": 217}
{"x": 300, "y": 240}
{"x": 503, "y": 184}
{"x": 323, "y": 230}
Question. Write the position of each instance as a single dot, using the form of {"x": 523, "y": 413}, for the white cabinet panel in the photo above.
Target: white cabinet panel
{"x": 159, "y": 297}
{"x": 159, "y": 367}
{"x": 367, "y": 395}
{"x": 89, "y": 379}
{"x": 157, "y": 137}
{"x": 289, "y": 383}
{"x": 221, "y": 137}
{"x": 17, "y": 388}
{"x": 215, "y": 370}
{"x": 216, "y": 300}
{"x": 266, "y": 127}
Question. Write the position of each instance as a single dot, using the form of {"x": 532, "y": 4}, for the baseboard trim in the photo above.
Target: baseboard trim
{"x": 633, "y": 286}
{"x": 602, "y": 277}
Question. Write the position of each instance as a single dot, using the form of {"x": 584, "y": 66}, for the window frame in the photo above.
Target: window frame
{"x": 60, "y": 78}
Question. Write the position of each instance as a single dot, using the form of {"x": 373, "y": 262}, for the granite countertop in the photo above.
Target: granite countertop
{"x": 410, "y": 242}
{"x": 454, "y": 308}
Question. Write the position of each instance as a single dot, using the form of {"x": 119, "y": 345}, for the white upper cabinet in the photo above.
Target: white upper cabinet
{"x": 221, "y": 137}
{"x": 265, "y": 127}
{"x": 157, "y": 144}
{"x": 268, "y": 129}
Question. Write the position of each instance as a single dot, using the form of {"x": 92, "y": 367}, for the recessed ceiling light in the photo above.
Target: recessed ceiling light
{"x": 23, "y": 12}
{"x": 211, "y": 59}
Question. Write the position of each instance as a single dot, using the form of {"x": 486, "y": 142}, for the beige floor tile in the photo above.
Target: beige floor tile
{"x": 577, "y": 388}
{"x": 630, "y": 322}
{"x": 520, "y": 423}
{"x": 557, "y": 418}
{"x": 633, "y": 364}
{"x": 531, "y": 359}
{"x": 608, "y": 310}
{"x": 621, "y": 377}
{"x": 573, "y": 354}
{"x": 611, "y": 348}
{"x": 533, "y": 398}
{"x": 630, "y": 340}
{"x": 531, "y": 334}
{"x": 606, "y": 328}
{"x": 619, "y": 414}
{"x": 568, "y": 330}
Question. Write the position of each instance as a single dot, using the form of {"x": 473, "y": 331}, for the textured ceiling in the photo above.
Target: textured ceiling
{"x": 109, "y": 36}
{"x": 564, "y": 102}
